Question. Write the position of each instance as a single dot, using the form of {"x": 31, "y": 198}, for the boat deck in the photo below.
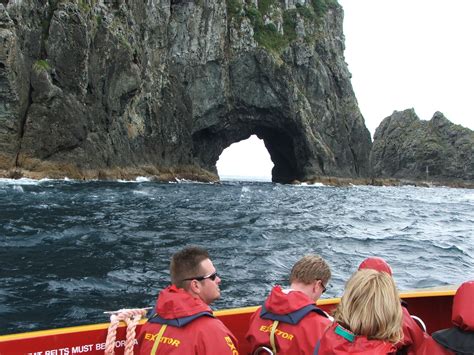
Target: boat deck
{"x": 432, "y": 306}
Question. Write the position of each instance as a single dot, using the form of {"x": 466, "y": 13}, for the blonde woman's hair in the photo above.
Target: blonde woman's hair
{"x": 371, "y": 306}
{"x": 309, "y": 269}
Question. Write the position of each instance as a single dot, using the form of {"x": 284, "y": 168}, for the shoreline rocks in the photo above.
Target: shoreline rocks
{"x": 70, "y": 172}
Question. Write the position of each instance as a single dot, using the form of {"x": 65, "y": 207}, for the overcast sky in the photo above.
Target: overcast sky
{"x": 402, "y": 54}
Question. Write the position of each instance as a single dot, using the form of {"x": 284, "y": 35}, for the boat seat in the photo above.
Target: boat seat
{"x": 420, "y": 322}
{"x": 262, "y": 350}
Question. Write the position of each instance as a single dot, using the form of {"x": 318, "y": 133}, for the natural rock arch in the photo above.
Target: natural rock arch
{"x": 209, "y": 145}
{"x": 308, "y": 121}
{"x": 185, "y": 82}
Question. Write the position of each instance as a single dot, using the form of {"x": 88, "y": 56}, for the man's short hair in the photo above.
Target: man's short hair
{"x": 186, "y": 264}
{"x": 309, "y": 269}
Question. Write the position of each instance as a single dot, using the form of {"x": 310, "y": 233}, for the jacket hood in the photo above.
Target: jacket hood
{"x": 377, "y": 264}
{"x": 460, "y": 337}
{"x": 175, "y": 302}
{"x": 283, "y": 302}
{"x": 463, "y": 311}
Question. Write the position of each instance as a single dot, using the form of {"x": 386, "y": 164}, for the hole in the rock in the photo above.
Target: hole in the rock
{"x": 245, "y": 160}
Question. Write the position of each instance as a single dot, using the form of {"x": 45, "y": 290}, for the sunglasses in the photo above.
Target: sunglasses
{"x": 324, "y": 287}
{"x": 211, "y": 277}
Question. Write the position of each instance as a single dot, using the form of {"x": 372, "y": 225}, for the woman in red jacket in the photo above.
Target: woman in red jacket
{"x": 367, "y": 320}
{"x": 413, "y": 335}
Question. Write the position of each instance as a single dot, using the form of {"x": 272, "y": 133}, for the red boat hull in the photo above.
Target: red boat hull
{"x": 433, "y": 307}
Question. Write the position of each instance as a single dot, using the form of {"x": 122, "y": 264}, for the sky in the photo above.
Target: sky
{"x": 402, "y": 54}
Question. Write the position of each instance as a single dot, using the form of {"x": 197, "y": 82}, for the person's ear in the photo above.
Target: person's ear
{"x": 194, "y": 286}
{"x": 315, "y": 286}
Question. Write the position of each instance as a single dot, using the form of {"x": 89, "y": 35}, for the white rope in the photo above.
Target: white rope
{"x": 129, "y": 316}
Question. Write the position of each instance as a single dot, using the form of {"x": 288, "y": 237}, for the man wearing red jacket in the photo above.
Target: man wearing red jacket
{"x": 413, "y": 335}
{"x": 289, "y": 321}
{"x": 183, "y": 322}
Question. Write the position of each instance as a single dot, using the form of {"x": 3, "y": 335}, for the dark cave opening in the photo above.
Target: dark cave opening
{"x": 210, "y": 143}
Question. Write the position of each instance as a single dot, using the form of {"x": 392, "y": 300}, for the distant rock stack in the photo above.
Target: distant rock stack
{"x": 405, "y": 147}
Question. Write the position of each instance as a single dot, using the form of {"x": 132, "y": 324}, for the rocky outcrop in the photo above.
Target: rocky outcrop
{"x": 405, "y": 147}
{"x": 96, "y": 88}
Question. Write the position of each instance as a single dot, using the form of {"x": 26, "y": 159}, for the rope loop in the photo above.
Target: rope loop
{"x": 131, "y": 317}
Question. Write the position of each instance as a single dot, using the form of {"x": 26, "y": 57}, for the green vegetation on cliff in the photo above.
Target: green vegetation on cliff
{"x": 275, "y": 28}
{"x": 234, "y": 8}
{"x": 322, "y": 6}
{"x": 266, "y": 35}
{"x": 41, "y": 65}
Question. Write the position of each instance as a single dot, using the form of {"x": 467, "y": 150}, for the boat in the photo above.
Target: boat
{"x": 433, "y": 307}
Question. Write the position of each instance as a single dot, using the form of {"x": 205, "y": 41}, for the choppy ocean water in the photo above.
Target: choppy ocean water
{"x": 70, "y": 250}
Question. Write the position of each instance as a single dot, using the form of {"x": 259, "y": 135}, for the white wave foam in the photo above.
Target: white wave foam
{"x": 246, "y": 178}
{"x": 22, "y": 181}
{"x": 18, "y": 188}
{"x": 138, "y": 179}
{"x": 468, "y": 197}
{"x": 183, "y": 181}
{"x": 186, "y": 181}
{"x": 305, "y": 184}
{"x": 28, "y": 181}
{"x": 142, "y": 193}
{"x": 245, "y": 194}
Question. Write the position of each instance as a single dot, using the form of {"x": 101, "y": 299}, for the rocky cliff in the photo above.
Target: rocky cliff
{"x": 97, "y": 89}
{"x": 407, "y": 148}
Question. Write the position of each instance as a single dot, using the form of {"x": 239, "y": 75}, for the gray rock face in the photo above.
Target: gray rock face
{"x": 404, "y": 147}
{"x": 88, "y": 86}
{"x": 14, "y": 90}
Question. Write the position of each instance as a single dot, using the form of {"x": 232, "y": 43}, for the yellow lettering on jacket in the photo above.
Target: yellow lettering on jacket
{"x": 231, "y": 345}
{"x": 164, "y": 340}
{"x": 278, "y": 332}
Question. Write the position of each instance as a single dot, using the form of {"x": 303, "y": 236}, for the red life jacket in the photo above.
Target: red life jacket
{"x": 339, "y": 341}
{"x": 463, "y": 310}
{"x": 297, "y": 323}
{"x": 460, "y": 337}
{"x": 413, "y": 335}
{"x": 431, "y": 347}
{"x": 184, "y": 325}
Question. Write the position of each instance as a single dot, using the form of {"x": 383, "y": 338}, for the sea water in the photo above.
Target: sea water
{"x": 71, "y": 250}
